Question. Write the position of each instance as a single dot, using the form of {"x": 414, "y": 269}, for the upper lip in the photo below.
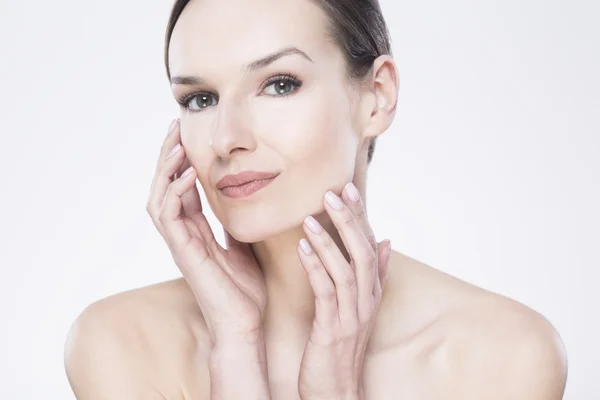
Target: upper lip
{"x": 243, "y": 178}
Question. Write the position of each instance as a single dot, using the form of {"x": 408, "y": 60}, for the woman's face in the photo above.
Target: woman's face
{"x": 241, "y": 122}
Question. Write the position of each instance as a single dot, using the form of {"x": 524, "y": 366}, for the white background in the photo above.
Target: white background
{"x": 490, "y": 172}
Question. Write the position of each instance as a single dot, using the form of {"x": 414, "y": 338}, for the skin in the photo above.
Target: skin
{"x": 430, "y": 336}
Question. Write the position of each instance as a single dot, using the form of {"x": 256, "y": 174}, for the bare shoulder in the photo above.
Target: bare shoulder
{"x": 480, "y": 344}
{"x": 136, "y": 344}
{"x": 503, "y": 343}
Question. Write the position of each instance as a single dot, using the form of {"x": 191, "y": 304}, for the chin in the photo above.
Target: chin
{"x": 270, "y": 216}
{"x": 247, "y": 235}
{"x": 258, "y": 232}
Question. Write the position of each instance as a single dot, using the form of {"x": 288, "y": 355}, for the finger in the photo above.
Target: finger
{"x": 201, "y": 223}
{"x": 354, "y": 202}
{"x": 191, "y": 199}
{"x": 176, "y": 232}
{"x": 383, "y": 257}
{"x": 192, "y": 207}
{"x": 338, "y": 268}
{"x": 161, "y": 181}
{"x": 160, "y": 184}
{"x": 364, "y": 258}
{"x": 326, "y": 306}
{"x": 172, "y": 138}
{"x": 159, "y": 187}
{"x": 384, "y": 272}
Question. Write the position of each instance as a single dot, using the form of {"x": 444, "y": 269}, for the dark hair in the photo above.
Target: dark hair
{"x": 356, "y": 26}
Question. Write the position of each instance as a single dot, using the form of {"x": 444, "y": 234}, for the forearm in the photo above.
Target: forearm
{"x": 238, "y": 370}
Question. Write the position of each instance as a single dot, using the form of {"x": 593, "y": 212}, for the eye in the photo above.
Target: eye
{"x": 283, "y": 85}
{"x": 199, "y": 100}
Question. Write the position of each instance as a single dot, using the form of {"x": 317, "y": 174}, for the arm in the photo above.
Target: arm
{"x": 238, "y": 370}
{"x": 105, "y": 359}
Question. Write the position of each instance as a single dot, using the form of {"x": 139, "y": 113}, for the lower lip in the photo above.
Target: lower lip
{"x": 246, "y": 189}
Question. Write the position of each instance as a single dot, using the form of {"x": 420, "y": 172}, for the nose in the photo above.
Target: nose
{"x": 232, "y": 131}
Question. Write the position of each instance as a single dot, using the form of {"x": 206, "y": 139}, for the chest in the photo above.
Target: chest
{"x": 386, "y": 376}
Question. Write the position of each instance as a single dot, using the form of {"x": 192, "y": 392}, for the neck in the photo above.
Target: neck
{"x": 291, "y": 306}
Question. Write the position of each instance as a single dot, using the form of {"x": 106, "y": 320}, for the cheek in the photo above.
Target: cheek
{"x": 197, "y": 150}
{"x": 315, "y": 139}
{"x": 308, "y": 128}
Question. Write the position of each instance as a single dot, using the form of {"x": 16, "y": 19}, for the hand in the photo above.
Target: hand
{"x": 347, "y": 297}
{"x": 227, "y": 283}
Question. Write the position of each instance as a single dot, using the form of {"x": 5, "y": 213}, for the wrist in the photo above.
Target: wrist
{"x": 238, "y": 369}
{"x": 227, "y": 339}
{"x": 237, "y": 355}
{"x": 250, "y": 345}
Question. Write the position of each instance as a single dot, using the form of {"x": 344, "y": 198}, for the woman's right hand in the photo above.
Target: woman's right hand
{"x": 227, "y": 283}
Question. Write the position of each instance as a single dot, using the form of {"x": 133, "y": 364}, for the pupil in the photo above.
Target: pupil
{"x": 281, "y": 87}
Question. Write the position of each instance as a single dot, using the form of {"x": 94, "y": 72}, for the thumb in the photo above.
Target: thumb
{"x": 383, "y": 261}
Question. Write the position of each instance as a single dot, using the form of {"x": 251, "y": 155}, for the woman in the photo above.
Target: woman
{"x": 281, "y": 104}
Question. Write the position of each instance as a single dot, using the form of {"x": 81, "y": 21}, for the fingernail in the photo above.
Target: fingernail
{"x": 333, "y": 200}
{"x": 305, "y": 247}
{"x": 388, "y": 248}
{"x": 352, "y": 192}
{"x": 172, "y": 126}
{"x": 175, "y": 150}
{"x": 187, "y": 172}
{"x": 312, "y": 224}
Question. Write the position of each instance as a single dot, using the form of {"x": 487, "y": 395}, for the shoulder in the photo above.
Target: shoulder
{"x": 499, "y": 348}
{"x": 476, "y": 343}
{"x": 117, "y": 346}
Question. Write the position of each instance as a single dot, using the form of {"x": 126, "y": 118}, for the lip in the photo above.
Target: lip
{"x": 245, "y": 183}
{"x": 243, "y": 178}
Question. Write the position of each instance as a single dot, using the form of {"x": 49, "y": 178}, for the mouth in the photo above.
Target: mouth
{"x": 245, "y": 184}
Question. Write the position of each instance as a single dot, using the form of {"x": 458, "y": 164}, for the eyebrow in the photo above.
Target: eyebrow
{"x": 253, "y": 66}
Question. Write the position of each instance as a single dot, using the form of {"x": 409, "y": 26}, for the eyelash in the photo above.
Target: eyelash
{"x": 185, "y": 100}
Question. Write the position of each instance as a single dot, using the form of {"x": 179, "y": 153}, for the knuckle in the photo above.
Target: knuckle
{"x": 327, "y": 293}
{"x": 159, "y": 227}
{"x": 170, "y": 189}
{"x": 326, "y": 241}
{"x": 369, "y": 257}
{"x": 163, "y": 170}
{"x": 200, "y": 251}
{"x": 154, "y": 218}
{"x": 162, "y": 217}
{"x": 372, "y": 241}
{"x": 349, "y": 281}
{"x": 351, "y": 329}
{"x": 347, "y": 217}
{"x": 363, "y": 318}
{"x": 213, "y": 245}
{"x": 150, "y": 205}
{"x": 359, "y": 212}
{"x": 322, "y": 336}
{"x": 315, "y": 267}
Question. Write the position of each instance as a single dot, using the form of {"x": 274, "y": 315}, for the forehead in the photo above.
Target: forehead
{"x": 215, "y": 34}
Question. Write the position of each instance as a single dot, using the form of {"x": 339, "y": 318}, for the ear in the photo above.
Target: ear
{"x": 379, "y": 97}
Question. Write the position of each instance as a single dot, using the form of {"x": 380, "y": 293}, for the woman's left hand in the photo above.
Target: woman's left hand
{"x": 347, "y": 297}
